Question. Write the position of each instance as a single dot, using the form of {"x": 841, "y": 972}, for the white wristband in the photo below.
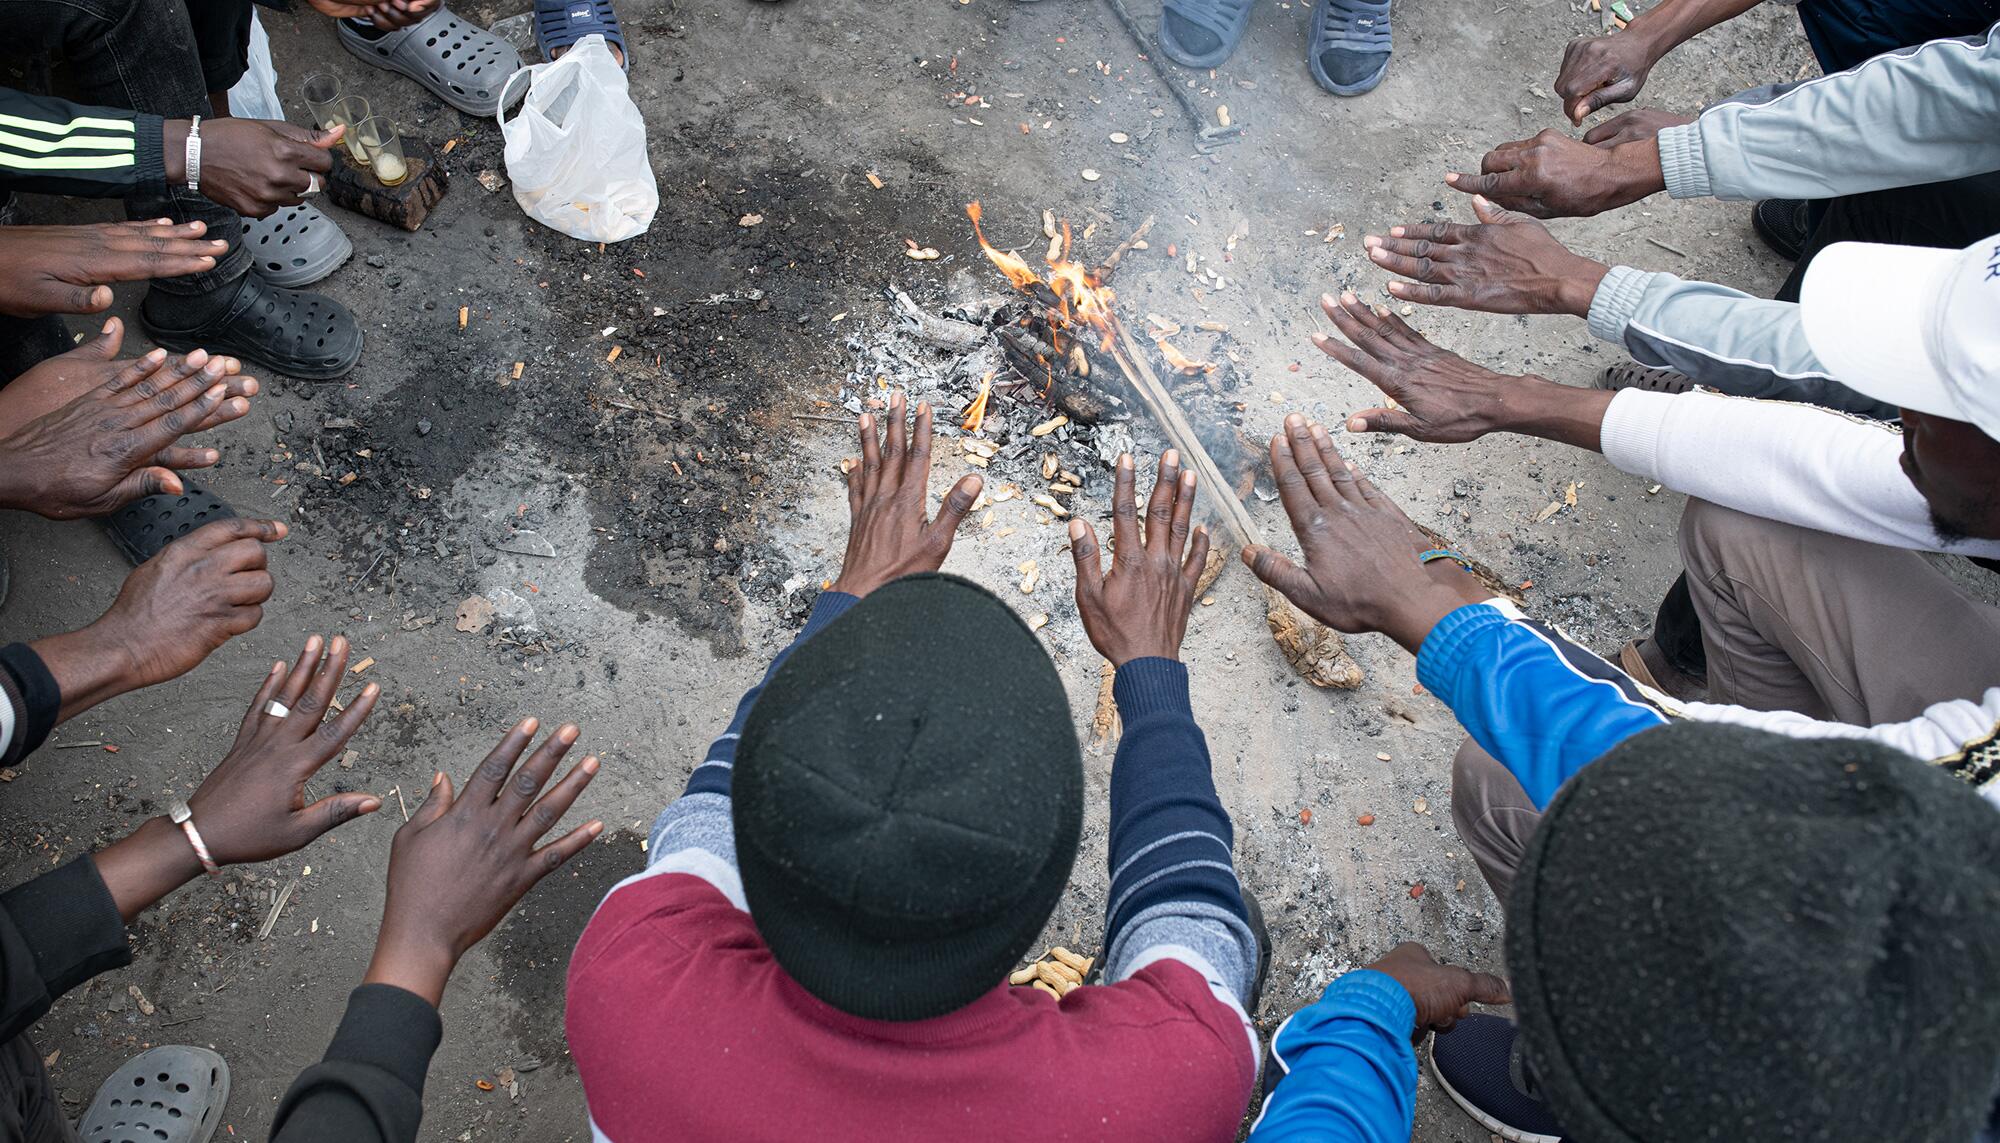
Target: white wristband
{"x": 194, "y": 155}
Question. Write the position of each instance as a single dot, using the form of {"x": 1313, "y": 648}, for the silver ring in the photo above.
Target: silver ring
{"x": 312, "y": 185}
{"x": 277, "y": 709}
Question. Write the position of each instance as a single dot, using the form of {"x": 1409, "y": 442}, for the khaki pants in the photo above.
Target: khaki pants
{"x": 1792, "y": 619}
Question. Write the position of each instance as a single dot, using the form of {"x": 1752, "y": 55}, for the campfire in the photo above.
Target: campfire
{"x": 1047, "y": 345}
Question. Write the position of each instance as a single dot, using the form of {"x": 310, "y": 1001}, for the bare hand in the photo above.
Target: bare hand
{"x": 252, "y": 166}
{"x": 51, "y": 384}
{"x": 201, "y": 591}
{"x": 252, "y": 806}
{"x": 1362, "y": 571}
{"x": 1140, "y": 609}
{"x": 1641, "y": 126}
{"x": 1510, "y": 264}
{"x": 117, "y": 442}
{"x": 462, "y": 862}
{"x": 1598, "y": 71}
{"x": 887, "y": 500}
{"x": 1555, "y": 176}
{"x": 1444, "y": 398}
{"x": 385, "y": 14}
{"x": 64, "y": 269}
{"x": 1442, "y": 992}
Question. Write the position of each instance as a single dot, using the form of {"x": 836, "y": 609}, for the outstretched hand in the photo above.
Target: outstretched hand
{"x": 1442, "y": 992}
{"x": 1555, "y": 176}
{"x": 1598, "y": 71}
{"x": 252, "y": 806}
{"x": 890, "y": 535}
{"x": 64, "y": 269}
{"x": 462, "y": 861}
{"x": 1139, "y": 609}
{"x": 1641, "y": 126}
{"x": 1509, "y": 264}
{"x": 51, "y": 384}
{"x": 117, "y": 442}
{"x": 1442, "y": 397}
{"x": 1362, "y": 569}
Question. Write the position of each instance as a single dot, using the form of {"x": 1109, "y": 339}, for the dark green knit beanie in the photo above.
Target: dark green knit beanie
{"x": 908, "y": 795}
{"x": 1722, "y": 933}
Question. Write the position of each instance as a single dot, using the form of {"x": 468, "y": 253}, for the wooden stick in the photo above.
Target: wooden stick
{"x": 1315, "y": 651}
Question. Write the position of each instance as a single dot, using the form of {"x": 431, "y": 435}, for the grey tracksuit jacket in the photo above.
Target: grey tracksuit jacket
{"x": 1917, "y": 115}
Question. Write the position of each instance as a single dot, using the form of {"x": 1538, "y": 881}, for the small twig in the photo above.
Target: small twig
{"x": 189, "y": 1020}
{"x": 1671, "y": 249}
{"x": 77, "y": 745}
{"x": 400, "y": 804}
{"x": 277, "y": 907}
{"x": 371, "y": 569}
{"x": 1124, "y": 248}
{"x": 635, "y": 408}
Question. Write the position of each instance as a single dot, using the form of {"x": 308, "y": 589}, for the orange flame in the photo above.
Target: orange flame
{"x": 1080, "y": 300}
{"x": 1012, "y": 265}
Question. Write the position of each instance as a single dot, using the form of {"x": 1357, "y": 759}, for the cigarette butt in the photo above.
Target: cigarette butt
{"x": 1079, "y": 963}
{"x": 519, "y": 366}
{"x": 449, "y": 144}
{"x": 1022, "y": 975}
{"x": 463, "y": 313}
{"x": 361, "y": 666}
{"x": 874, "y": 180}
{"x": 1046, "y": 987}
{"x": 615, "y": 351}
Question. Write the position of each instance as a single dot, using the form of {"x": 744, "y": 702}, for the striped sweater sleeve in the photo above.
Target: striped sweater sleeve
{"x": 1174, "y": 893}
{"x": 52, "y": 146}
{"x": 696, "y": 833}
{"x": 29, "y": 702}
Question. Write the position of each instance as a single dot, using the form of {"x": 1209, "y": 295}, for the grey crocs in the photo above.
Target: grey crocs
{"x": 463, "y": 64}
{"x": 295, "y": 246}
{"x": 173, "y": 1094}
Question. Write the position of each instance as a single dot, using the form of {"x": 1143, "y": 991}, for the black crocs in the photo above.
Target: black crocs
{"x": 143, "y": 527}
{"x": 289, "y": 331}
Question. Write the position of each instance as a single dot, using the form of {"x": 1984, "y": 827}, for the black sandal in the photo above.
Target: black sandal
{"x": 145, "y": 526}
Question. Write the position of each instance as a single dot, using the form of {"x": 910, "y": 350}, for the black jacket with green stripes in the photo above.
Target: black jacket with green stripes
{"x": 53, "y": 146}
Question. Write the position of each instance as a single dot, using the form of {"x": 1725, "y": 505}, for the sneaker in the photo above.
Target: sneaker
{"x": 1632, "y": 375}
{"x": 1475, "y": 1065}
{"x": 1784, "y": 224}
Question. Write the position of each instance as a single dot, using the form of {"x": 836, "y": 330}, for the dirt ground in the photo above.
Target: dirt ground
{"x": 691, "y": 512}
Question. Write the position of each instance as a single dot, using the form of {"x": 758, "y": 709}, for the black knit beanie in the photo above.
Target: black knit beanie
{"x": 1721, "y": 933}
{"x": 908, "y": 797}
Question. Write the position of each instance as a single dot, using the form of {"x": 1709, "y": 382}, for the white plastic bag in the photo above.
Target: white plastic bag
{"x": 255, "y": 96}
{"x": 576, "y": 152}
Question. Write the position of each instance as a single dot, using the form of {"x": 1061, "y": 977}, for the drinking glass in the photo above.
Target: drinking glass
{"x": 321, "y": 91}
{"x": 377, "y": 137}
{"x": 351, "y": 110}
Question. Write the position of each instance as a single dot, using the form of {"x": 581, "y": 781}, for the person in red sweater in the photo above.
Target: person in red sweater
{"x": 819, "y": 946}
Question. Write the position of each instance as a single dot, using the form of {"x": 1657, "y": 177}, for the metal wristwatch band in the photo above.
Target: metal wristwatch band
{"x": 194, "y": 155}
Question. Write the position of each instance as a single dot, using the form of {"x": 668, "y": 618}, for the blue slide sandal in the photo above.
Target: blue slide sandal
{"x": 1202, "y": 33}
{"x": 560, "y": 24}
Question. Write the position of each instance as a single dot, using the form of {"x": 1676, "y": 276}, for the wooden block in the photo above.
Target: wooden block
{"x": 406, "y": 204}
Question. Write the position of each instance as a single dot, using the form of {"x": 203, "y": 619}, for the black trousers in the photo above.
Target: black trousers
{"x": 30, "y": 1109}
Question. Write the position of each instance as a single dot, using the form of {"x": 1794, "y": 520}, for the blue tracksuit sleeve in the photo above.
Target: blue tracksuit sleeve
{"x": 1348, "y": 1071}
{"x": 1542, "y": 705}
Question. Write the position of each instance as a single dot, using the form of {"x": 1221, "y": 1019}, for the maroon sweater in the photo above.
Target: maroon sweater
{"x": 684, "y": 1028}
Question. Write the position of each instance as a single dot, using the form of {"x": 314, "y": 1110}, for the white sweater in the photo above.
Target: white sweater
{"x": 1799, "y": 464}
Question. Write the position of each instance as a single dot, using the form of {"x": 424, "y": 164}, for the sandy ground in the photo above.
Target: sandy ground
{"x": 692, "y": 514}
